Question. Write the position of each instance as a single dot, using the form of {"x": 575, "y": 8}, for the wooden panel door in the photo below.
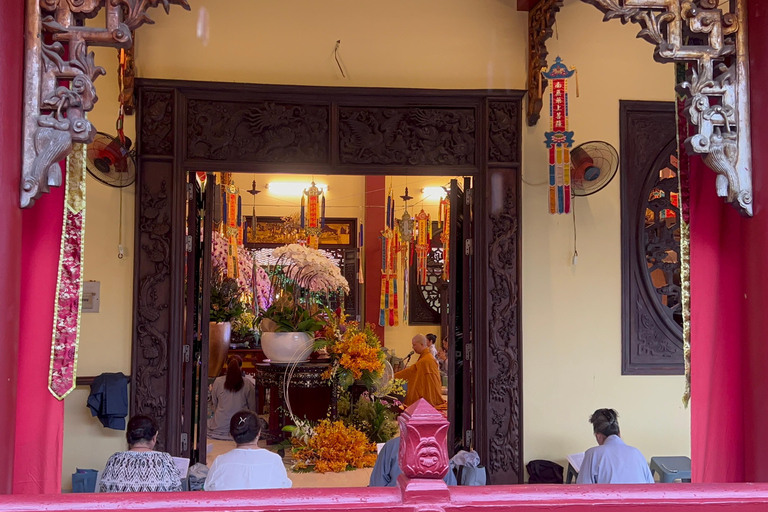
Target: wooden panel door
{"x": 459, "y": 316}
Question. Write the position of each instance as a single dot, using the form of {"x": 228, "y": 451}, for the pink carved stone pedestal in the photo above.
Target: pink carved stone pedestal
{"x": 423, "y": 454}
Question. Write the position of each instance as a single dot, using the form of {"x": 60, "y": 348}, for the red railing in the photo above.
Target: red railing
{"x": 424, "y": 460}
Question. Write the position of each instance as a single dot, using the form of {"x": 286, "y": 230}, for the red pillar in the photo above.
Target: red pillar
{"x": 39, "y": 416}
{"x": 11, "y": 62}
{"x": 729, "y": 286}
{"x": 375, "y": 198}
{"x": 717, "y": 333}
{"x": 755, "y": 247}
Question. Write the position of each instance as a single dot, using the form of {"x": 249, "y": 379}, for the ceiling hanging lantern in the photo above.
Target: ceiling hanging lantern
{"x": 313, "y": 214}
{"x": 405, "y": 232}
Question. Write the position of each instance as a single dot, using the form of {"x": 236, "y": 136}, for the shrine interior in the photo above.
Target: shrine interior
{"x": 270, "y": 207}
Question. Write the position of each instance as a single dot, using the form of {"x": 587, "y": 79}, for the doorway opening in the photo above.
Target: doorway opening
{"x": 428, "y": 292}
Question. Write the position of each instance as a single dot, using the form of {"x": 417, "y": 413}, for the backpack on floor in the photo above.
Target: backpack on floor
{"x": 544, "y": 472}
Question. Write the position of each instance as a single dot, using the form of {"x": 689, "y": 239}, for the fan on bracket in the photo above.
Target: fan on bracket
{"x": 593, "y": 166}
{"x": 111, "y": 162}
{"x": 383, "y": 386}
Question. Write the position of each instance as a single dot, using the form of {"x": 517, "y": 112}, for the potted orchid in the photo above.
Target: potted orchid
{"x": 235, "y": 301}
{"x": 300, "y": 279}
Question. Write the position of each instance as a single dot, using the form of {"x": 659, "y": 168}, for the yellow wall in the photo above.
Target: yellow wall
{"x": 105, "y": 337}
{"x": 571, "y": 320}
{"x": 461, "y": 44}
{"x": 571, "y": 314}
{"x": 344, "y": 198}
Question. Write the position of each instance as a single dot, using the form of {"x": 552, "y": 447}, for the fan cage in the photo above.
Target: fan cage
{"x": 604, "y": 156}
{"x": 112, "y": 178}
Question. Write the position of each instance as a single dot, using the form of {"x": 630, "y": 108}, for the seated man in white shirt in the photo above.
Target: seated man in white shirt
{"x": 612, "y": 461}
{"x": 247, "y": 466}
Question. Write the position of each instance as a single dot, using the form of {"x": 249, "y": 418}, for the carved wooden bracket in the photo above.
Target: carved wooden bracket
{"x": 541, "y": 19}
{"x": 717, "y": 86}
{"x": 58, "y": 78}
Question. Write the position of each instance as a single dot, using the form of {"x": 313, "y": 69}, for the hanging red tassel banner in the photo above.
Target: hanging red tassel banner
{"x": 559, "y": 140}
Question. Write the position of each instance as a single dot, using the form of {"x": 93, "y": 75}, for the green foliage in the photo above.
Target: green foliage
{"x": 374, "y": 418}
{"x": 226, "y": 298}
{"x": 288, "y": 318}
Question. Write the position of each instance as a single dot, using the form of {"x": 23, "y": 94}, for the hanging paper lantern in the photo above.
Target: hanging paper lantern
{"x": 423, "y": 240}
{"x": 445, "y": 237}
{"x": 559, "y": 140}
{"x": 232, "y": 209}
{"x": 313, "y": 214}
{"x": 388, "y": 313}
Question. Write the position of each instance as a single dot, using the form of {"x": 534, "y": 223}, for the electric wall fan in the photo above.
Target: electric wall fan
{"x": 381, "y": 387}
{"x": 110, "y": 161}
{"x": 593, "y": 166}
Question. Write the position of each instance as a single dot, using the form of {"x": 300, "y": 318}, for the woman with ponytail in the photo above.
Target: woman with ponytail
{"x": 612, "y": 461}
{"x": 230, "y": 393}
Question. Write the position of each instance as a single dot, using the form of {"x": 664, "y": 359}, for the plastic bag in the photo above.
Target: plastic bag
{"x": 84, "y": 480}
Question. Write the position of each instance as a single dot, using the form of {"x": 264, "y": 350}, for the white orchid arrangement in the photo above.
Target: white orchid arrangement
{"x": 301, "y": 276}
{"x": 310, "y": 269}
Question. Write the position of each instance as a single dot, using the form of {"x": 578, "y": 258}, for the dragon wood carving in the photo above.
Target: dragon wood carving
{"x": 407, "y": 136}
{"x": 541, "y": 19}
{"x": 717, "y": 85}
{"x": 59, "y": 76}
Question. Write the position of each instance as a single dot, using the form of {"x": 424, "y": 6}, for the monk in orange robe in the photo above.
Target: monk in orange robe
{"x": 423, "y": 377}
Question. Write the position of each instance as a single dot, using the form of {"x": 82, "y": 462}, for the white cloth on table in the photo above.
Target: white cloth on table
{"x": 247, "y": 469}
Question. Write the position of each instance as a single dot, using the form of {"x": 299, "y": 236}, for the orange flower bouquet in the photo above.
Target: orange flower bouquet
{"x": 333, "y": 447}
{"x": 355, "y": 353}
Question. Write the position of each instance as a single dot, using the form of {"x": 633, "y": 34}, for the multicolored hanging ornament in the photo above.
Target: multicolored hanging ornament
{"x": 423, "y": 242}
{"x": 445, "y": 237}
{"x": 313, "y": 214}
{"x": 232, "y": 228}
{"x": 405, "y": 231}
{"x": 388, "y": 310}
{"x": 559, "y": 140}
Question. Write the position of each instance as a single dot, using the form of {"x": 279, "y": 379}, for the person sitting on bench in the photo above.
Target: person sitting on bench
{"x": 612, "y": 461}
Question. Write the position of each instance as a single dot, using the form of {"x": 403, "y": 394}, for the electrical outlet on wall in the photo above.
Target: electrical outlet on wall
{"x": 91, "y": 294}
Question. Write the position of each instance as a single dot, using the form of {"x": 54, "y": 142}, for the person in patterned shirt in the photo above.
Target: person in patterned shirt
{"x": 140, "y": 469}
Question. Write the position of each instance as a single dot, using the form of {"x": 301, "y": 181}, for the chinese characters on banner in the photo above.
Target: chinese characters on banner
{"x": 559, "y": 140}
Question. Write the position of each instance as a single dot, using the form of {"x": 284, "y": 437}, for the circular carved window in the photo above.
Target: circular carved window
{"x": 661, "y": 241}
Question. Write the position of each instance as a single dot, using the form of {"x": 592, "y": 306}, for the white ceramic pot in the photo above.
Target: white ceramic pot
{"x": 286, "y": 347}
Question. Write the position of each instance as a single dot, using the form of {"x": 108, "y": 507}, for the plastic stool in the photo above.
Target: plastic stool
{"x": 571, "y": 475}
{"x": 671, "y": 469}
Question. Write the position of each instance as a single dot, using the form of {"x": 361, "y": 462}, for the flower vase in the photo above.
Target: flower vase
{"x": 219, "y": 337}
{"x": 286, "y": 347}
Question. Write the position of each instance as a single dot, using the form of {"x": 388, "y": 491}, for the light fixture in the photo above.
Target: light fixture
{"x": 433, "y": 192}
{"x": 292, "y": 188}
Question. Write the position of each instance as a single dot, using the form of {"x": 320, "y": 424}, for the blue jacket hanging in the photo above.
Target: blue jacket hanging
{"x": 109, "y": 399}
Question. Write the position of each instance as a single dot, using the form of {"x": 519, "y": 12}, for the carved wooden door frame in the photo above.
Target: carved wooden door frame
{"x": 215, "y": 127}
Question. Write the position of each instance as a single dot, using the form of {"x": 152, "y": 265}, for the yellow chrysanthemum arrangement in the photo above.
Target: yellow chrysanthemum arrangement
{"x": 355, "y": 353}
{"x": 334, "y": 447}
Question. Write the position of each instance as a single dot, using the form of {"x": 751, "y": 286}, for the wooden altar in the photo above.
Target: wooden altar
{"x": 310, "y": 395}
